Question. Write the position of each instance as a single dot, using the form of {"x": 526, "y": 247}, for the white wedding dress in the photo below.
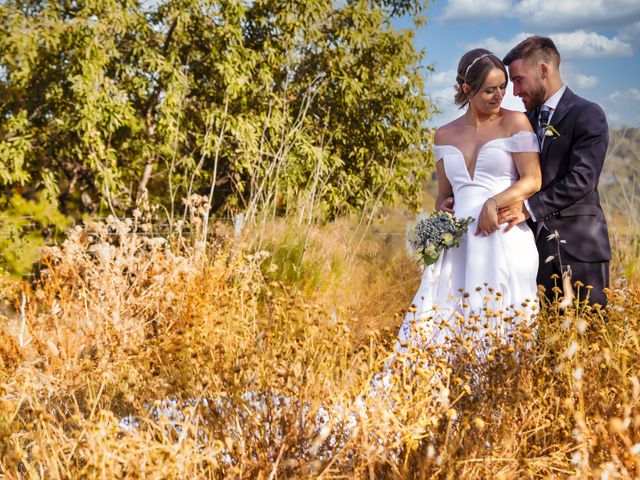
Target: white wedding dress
{"x": 498, "y": 272}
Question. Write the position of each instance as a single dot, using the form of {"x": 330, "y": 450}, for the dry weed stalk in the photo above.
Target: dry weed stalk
{"x": 234, "y": 367}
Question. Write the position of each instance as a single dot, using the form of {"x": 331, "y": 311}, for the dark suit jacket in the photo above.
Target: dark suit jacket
{"x": 571, "y": 164}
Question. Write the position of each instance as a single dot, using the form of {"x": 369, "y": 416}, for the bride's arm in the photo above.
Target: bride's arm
{"x": 530, "y": 181}
{"x": 527, "y": 163}
{"x": 444, "y": 199}
{"x": 445, "y": 190}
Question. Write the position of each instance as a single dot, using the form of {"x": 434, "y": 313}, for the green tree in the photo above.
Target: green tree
{"x": 257, "y": 104}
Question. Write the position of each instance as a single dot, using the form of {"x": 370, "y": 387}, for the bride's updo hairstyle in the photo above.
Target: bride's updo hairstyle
{"x": 473, "y": 69}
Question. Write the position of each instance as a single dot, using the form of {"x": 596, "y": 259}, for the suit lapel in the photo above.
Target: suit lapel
{"x": 533, "y": 119}
{"x": 564, "y": 105}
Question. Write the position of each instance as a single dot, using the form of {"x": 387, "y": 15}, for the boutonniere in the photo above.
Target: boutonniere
{"x": 550, "y": 131}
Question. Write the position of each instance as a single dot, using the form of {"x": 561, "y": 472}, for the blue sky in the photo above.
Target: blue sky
{"x": 598, "y": 40}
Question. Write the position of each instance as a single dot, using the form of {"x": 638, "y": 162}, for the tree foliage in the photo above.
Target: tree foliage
{"x": 257, "y": 104}
{"x": 27, "y": 225}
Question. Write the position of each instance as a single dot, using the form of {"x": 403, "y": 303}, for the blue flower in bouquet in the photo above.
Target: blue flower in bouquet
{"x": 435, "y": 233}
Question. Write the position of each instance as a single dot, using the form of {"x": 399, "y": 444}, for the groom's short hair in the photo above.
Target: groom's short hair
{"x": 534, "y": 49}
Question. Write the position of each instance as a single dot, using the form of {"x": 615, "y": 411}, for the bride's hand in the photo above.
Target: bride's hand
{"x": 488, "y": 219}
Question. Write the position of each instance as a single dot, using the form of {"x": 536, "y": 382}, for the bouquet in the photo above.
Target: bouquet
{"x": 436, "y": 233}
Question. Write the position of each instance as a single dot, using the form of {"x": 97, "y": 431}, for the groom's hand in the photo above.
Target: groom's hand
{"x": 446, "y": 205}
{"x": 513, "y": 215}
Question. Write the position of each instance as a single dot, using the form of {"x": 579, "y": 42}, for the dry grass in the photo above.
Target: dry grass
{"x": 254, "y": 359}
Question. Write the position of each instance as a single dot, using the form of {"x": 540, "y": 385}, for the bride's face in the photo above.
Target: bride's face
{"x": 488, "y": 99}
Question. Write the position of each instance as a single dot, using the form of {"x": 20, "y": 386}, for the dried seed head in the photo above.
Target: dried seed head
{"x": 479, "y": 423}
{"x": 617, "y": 425}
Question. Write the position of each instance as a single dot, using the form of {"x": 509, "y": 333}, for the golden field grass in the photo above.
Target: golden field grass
{"x": 253, "y": 357}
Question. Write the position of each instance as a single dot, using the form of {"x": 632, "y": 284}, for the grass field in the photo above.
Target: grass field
{"x": 253, "y": 358}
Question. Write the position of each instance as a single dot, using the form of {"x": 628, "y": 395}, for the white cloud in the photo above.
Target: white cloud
{"x": 465, "y": 10}
{"x": 444, "y": 95}
{"x": 572, "y": 45}
{"x": 622, "y": 106}
{"x": 584, "y": 82}
{"x": 631, "y": 34}
{"x": 499, "y": 47}
{"x": 581, "y": 44}
{"x": 578, "y": 81}
{"x": 624, "y": 97}
{"x": 546, "y": 14}
{"x": 446, "y": 78}
{"x": 576, "y": 13}
{"x": 449, "y": 111}
{"x": 614, "y": 119}
{"x": 615, "y": 96}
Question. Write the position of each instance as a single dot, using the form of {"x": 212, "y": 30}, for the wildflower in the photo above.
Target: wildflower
{"x": 577, "y": 373}
{"x": 571, "y": 350}
{"x": 447, "y": 239}
{"x": 431, "y": 452}
{"x": 581, "y": 325}
{"x": 635, "y": 385}
{"x": 444, "y": 396}
{"x": 617, "y": 425}
{"x": 576, "y": 458}
{"x": 553, "y": 235}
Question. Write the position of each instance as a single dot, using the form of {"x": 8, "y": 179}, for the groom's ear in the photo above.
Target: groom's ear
{"x": 544, "y": 69}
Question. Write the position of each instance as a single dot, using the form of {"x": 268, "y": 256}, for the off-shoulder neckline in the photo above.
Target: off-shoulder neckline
{"x": 484, "y": 145}
{"x": 488, "y": 142}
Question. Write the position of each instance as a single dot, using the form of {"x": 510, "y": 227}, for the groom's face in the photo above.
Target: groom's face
{"x": 527, "y": 83}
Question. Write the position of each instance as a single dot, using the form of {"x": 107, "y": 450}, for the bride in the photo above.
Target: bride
{"x": 486, "y": 159}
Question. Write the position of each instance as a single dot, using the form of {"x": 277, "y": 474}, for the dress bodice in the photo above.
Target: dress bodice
{"x": 494, "y": 171}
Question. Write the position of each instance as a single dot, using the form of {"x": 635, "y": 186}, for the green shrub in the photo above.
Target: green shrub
{"x": 27, "y": 225}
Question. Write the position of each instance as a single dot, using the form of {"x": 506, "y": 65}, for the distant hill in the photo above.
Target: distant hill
{"x": 623, "y": 156}
{"x": 620, "y": 179}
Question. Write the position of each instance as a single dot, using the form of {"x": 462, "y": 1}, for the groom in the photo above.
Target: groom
{"x": 573, "y": 136}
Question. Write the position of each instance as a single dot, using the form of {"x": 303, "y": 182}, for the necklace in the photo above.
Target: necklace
{"x": 476, "y": 125}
